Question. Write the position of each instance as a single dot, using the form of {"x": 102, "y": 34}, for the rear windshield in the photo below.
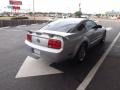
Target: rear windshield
{"x": 62, "y": 26}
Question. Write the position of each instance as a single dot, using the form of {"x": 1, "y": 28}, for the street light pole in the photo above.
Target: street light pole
{"x": 80, "y": 7}
{"x": 33, "y": 9}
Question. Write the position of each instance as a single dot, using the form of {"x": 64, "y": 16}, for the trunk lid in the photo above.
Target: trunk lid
{"x": 42, "y": 37}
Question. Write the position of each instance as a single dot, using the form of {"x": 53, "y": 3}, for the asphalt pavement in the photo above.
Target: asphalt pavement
{"x": 108, "y": 75}
{"x": 13, "y": 53}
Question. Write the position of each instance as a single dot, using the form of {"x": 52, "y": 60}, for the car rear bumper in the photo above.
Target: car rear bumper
{"x": 47, "y": 54}
{"x": 43, "y": 48}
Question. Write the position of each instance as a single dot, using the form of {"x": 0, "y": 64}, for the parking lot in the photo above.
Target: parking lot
{"x": 21, "y": 70}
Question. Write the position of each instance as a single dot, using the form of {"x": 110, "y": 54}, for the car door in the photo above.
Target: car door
{"x": 98, "y": 32}
{"x": 90, "y": 31}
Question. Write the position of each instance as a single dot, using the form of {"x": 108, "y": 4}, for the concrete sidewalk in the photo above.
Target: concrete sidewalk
{"x": 108, "y": 75}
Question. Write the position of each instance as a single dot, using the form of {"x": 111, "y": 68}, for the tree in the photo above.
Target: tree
{"x": 30, "y": 13}
{"x": 78, "y": 14}
{"x": 98, "y": 15}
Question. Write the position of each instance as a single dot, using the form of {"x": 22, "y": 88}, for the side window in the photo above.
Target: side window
{"x": 81, "y": 27}
{"x": 89, "y": 25}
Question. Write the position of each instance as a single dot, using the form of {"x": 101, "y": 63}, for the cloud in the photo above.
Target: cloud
{"x": 88, "y": 6}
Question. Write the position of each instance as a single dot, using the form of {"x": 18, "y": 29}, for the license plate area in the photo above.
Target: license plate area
{"x": 40, "y": 41}
{"x": 36, "y": 51}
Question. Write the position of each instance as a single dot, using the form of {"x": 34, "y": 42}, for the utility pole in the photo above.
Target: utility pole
{"x": 80, "y": 7}
{"x": 34, "y": 9}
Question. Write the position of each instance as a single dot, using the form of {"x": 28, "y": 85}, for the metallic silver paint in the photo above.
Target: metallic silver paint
{"x": 70, "y": 42}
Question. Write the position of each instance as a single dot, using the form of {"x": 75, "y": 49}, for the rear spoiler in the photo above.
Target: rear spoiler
{"x": 39, "y": 33}
{"x": 30, "y": 31}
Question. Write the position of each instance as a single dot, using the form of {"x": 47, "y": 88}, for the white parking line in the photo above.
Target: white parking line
{"x": 34, "y": 24}
{"x": 21, "y": 26}
{"x": 33, "y": 67}
{"x": 93, "y": 71}
{"x": 5, "y": 27}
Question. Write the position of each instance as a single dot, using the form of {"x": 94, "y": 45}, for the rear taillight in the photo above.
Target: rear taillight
{"x": 29, "y": 37}
{"x": 56, "y": 44}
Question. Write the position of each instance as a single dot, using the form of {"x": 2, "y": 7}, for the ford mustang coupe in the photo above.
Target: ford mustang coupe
{"x": 65, "y": 38}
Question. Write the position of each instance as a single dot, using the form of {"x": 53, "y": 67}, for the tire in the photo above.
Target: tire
{"x": 103, "y": 38}
{"x": 81, "y": 53}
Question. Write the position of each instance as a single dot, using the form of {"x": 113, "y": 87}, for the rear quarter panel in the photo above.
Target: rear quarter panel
{"x": 72, "y": 44}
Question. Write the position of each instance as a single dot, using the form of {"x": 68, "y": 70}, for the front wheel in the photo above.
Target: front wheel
{"x": 81, "y": 53}
{"x": 103, "y": 38}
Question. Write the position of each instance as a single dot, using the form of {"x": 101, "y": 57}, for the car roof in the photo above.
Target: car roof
{"x": 72, "y": 20}
{"x": 63, "y": 25}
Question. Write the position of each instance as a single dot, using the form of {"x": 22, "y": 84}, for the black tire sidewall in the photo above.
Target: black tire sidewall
{"x": 77, "y": 56}
{"x": 103, "y": 38}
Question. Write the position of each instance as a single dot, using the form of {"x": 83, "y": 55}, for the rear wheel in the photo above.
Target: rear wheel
{"x": 81, "y": 53}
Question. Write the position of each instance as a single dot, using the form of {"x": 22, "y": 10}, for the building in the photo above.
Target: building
{"x": 111, "y": 15}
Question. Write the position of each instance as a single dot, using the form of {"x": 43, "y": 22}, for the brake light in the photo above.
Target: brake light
{"x": 56, "y": 44}
{"x": 29, "y": 37}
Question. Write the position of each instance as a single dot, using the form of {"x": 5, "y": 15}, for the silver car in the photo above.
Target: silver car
{"x": 65, "y": 38}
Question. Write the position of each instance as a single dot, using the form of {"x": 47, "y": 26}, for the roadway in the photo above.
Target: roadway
{"x": 65, "y": 75}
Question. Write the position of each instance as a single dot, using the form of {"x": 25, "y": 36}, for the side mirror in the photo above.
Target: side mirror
{"x": 97, "y": 26}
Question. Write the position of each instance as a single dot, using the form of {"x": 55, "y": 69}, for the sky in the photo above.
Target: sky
{"x": 67, "y": 6}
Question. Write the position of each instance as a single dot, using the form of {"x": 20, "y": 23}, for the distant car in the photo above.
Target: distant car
{"x": 85, "y": 16}
{"x": 114, "y": 18}
{"x": 66, "y": 38}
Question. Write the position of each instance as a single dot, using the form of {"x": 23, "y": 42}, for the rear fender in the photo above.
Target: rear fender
{"x": 83, "y": 40}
